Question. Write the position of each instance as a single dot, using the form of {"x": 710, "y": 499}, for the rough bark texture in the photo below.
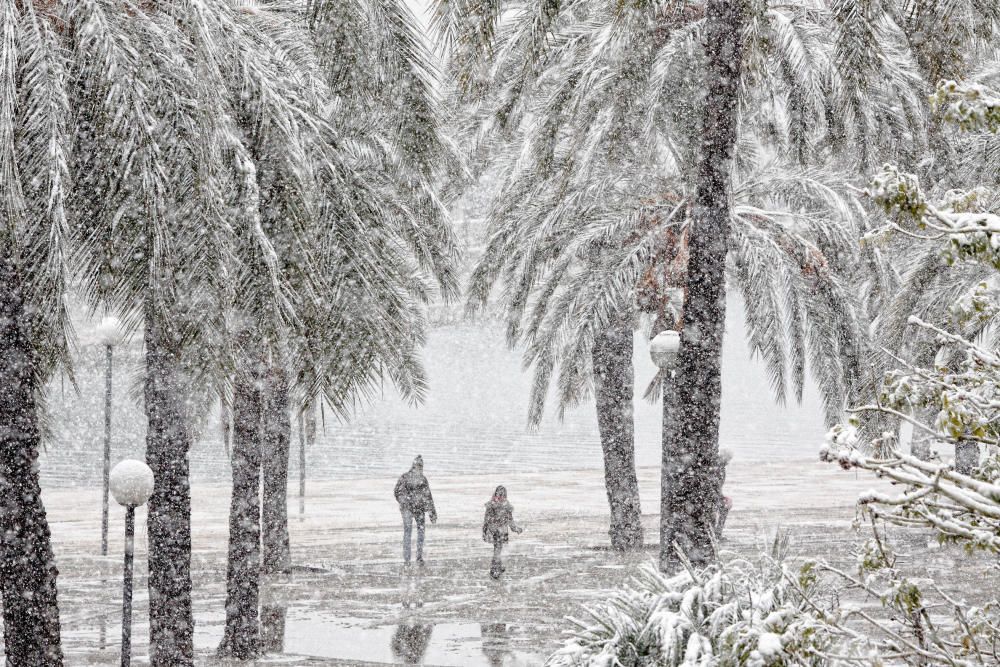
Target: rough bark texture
{"x": 276, "y": 450}
{"x": 168, "y": 441}
{"x": 614, "y": 391}
{"x": 272, "y": 623}
{"x": 966, "y": 456}
{"x": 690, "y": 480}
{"x": 27, "y": 567}
{"x": 242, "y": 634}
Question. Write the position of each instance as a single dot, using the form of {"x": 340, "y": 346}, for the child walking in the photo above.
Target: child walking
{"x": 499, "y": 517}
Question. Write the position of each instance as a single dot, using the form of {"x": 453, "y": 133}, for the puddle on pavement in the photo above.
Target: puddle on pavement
{"x": 412, "y": 641}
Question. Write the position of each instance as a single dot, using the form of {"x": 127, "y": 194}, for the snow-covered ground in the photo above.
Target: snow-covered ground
{"x": 350, "y": 603}
{"x": 348, "y": 600}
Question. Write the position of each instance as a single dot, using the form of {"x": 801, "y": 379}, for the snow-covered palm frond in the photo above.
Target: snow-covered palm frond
{"x": 571, "y": 255}
{"x": 872, "y": 61}
{"x": 378, "y": 60}
{"x": 42, "y": 144}
{"x": 227, "y": 179}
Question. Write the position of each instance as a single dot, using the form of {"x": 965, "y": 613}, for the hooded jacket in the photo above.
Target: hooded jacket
{"x": 413, "y": 492}
{"x": 499, "y": 518}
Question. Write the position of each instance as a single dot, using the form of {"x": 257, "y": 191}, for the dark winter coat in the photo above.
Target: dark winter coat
{"x": 413, "y": 493}
{"x": 499, "y": 518}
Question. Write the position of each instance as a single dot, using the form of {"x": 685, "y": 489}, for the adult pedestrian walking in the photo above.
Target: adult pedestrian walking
{"x": 413, "y": 494}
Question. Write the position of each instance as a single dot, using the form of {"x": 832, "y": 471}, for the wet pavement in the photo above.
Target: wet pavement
{"x": 350, "y": 602}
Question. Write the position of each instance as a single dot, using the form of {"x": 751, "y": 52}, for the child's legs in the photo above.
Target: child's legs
{"x": 497, "y": 563}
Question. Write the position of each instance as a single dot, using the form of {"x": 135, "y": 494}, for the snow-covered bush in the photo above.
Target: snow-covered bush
{"x": 773, "y": 612}
{"x": 734, "y": 612}
{"x": 961, "y": 389}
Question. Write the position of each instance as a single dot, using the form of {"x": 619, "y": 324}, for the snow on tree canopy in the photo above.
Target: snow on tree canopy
{"x": 131, "y": 482}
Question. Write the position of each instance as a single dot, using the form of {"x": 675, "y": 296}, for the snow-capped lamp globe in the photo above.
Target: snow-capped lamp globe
{"x": 131, "y": 483}
{"x": 663, "y": 349}
{"x": 109, "y": 331}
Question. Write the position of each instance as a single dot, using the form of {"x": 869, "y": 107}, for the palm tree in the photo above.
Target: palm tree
{"x": 353, "y": 267}
{"x": 395, "y": 158}
{"x": 34, "y": 143}
{"x": 589, "y": 130}
{"x": 690, "y": 485}
{"x": 170, "y": 223}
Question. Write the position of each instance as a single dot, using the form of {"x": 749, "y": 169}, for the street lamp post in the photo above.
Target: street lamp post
{"x": 131, "y": 484}
{"x": 108, "y": 334}
{"x": 663, "y": 349}
{"x": 302, "y": 465}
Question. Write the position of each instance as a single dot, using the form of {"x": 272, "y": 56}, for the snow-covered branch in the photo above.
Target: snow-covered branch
{"x": 961, "y": 508}
{"x": 969, "y": 106}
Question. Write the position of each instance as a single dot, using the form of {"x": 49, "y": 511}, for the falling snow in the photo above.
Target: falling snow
{"x": 466, "y": 332}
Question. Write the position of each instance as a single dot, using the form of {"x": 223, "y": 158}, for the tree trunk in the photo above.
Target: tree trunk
{"x": 272, "y": 627}
{"x": 276, "y": 450}
{"x": 966, "y": 456}
{"x": 27, "y": 566}
{"x": 614, "y": 391}
{"x": 242, "y": 634}
{"x": 690, "y": 478}
{"x": 168, "y": 441}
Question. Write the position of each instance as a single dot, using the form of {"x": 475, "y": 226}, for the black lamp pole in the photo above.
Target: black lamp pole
{"x": 302, "y": 465}
{"x": 127, "y": 592}
{"x": 107, "y": 450}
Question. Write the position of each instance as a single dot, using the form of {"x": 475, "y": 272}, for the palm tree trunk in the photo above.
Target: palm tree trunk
{"x": 27, "y": 566}
{"x": 242, "y": 634}
{"x": 276, "y": 450}
{"x": 690, "y": 468}
{"x": 168, "y": 441}
{"x": 273, "y": 614}
{"x": 966, "y": 456}
{"x": 613, "y": 391}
